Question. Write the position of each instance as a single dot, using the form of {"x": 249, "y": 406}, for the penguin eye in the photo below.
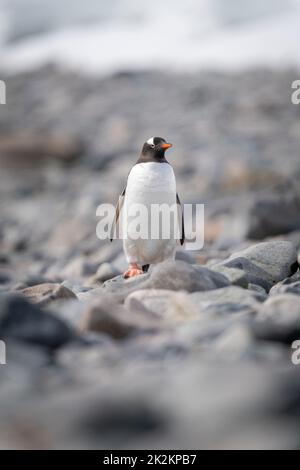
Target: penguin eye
{"x": 152, "y": 146}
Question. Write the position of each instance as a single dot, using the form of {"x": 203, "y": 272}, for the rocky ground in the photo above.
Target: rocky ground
{"x": 195, "y": 353}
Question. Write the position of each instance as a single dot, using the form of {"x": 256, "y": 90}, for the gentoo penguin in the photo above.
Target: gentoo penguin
{"x": 150, "y": 182}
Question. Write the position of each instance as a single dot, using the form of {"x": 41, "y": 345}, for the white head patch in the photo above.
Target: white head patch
{"x": 150, "y": 141}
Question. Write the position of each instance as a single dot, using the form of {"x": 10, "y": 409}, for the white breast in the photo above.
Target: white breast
{"x": 149, "y": 183}
{"x": 151, "y": 177}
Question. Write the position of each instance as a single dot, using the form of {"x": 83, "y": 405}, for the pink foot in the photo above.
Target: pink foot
{"x": 132, "y": 271}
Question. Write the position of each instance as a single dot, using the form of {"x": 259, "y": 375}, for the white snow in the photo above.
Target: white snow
{"x": 165, "y": 37}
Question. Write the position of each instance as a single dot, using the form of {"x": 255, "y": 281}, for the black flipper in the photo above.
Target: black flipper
{"x": 182, "y": 238}
{"x": 117, "y": 214}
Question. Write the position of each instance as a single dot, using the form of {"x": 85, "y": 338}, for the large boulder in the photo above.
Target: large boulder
{"x": 167, "y": 304}
{"x": 237, "y": 277}
{"x": 25, "y": 322}
{"x": 44, "y": 294}
{"x": 183, "y": 306}
{"x": 229, "y": 295}
{"x": 265, "y": 263}
{"x": 120, "y": 287}
{"x": 178, "y": 275}
{"x": 104, "y": 315}
{"x": 169, "y": 275}
{"x": 279, "y": 319}
{"x": 289, "y": 285}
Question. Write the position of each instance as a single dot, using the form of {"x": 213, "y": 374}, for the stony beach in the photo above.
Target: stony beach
{"x": 195, "y": 353}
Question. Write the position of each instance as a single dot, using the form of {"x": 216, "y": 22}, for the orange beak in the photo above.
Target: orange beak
{"x": 166, "y": 146}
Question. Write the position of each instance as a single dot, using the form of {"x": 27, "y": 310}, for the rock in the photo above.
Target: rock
{"x": 14, "y": 239}
{"x": 265, "y": 263}
{"x": 239, "y": 343}
{"x": 169, "y": 275}
{"x": 31, "y": 149}
{"x": 290, "y": 285}
{"x": 105, "y": 272}
{"x": 4, "y": 277}
{"x": 71, "y": 312}
{"x": 179, "y": 275}
{"x": 114, "y": 418}
{"x": 75, "y": 288}
{"x": 182, "y": 306}
{"x": 91, "y": 294}
{"x": 24, "y": 358}
{"x": 272, "y": 214}
{"x": 228, "y": 295}
{"x": 279, "y": 319}
{"x": 237, "y": 277}
{"x": 169, "y": 305}
{"x": 25, "y": 322}
{"x": 105, "y": 316}
{"x": 236, "y": 342}
{"x": 44, "y": 294}
{"x": 121, "y": 287}
{"x": 30, "y": 281}
{"x": 256, "y": 288}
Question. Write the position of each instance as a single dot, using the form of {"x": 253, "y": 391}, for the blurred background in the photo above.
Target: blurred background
{"x": 88, "y": 83}
{"x": 109, "y": 36}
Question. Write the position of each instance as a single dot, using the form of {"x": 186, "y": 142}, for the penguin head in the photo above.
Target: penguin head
{"x": 155, "y": 148}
